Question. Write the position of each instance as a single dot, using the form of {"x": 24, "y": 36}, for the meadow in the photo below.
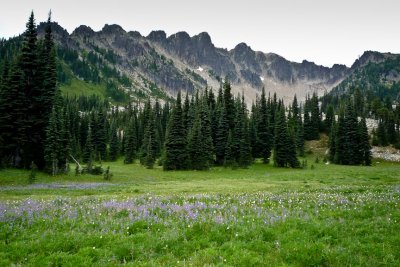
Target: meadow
{"x": 325, "y": 215}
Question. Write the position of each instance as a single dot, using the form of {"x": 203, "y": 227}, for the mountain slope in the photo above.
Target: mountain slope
{"x": 374, "y": 75}
{"x": 126, "y": 66}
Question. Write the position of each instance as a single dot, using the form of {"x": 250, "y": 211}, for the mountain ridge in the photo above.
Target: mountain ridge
{"x": 180, "y": 62}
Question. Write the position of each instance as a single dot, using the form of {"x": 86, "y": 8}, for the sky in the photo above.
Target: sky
{"x": 326, "y": 32}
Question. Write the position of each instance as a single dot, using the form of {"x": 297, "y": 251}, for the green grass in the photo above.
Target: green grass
{"x": 80, "y": 88}
{"x": 261, "y": 216}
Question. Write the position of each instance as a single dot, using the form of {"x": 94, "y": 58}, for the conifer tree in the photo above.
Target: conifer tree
{"x": 52, "y": 143}
{"x": 340, "y": 139}
{"x": 131, "y": 143}
{"x": 351, "y": 155}
{"x": 221, "y": 136}
{"x": 264, "y": 136}
{"x": 381, "y": 134}
{"x": 176, "y": 156}
{"x": 150, "y": 144}
{"x": 332, "y": 141}
{"x": 114, "y": 143}
{"x": 284, "y": 146}
{"x": 88, "y": 154}
{"x": 364, "y": 146}
{"x": 229, "y": 104}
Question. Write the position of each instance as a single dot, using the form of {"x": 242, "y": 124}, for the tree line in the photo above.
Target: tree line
{"x": 39, "y": 126}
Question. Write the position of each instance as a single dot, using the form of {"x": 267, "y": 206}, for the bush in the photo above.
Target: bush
{"x": 95, "y": 170}
{"x": 107, "y": 174}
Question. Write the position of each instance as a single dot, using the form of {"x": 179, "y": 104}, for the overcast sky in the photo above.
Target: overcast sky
{"x": 322, "y": 31}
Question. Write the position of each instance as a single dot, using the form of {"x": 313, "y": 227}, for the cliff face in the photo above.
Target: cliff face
{"x": 182, "y": 62}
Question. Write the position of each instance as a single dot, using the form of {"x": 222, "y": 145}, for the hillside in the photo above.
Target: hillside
{"x": 375, "y": 75}
{"x": 156, "y": 63}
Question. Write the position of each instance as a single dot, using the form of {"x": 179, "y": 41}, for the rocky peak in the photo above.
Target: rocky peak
{"x": 203, "y": 40}
{"x": 83, "y": 30}
{"x": 180, "y": 37}
{"x": 55, "y": 28}
{"x": 157, "y": 37}
{"x": 112, "y": 29}
{"x": 368, "y": 56}
{"x": 134, "y": 34}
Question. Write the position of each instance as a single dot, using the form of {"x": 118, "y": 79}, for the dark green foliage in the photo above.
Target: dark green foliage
{"x": 107, "y": 174}
{"x": 340, "y": 140}
{"x": 312, "y": 118}
{"x": 264, "y": 137}
{"x": 176, "y": 156}
{"x": 284, "y": 144}
{"x": 201, "y": 150}
{"x": 27, "y": 91}
{"x": 131, "y": 142}
{"x": 229, "y": 103}
{"x": 150, "y": 144}
{"x": 88, "y": 153}
{"x": 221, "y": 136}
{"x": 381, "y": 134}
{"x": 114, "y": 142}
{"x": 364, "y": 146}
{"x": 329, "y": 118}
{"x": 349, "y": 140}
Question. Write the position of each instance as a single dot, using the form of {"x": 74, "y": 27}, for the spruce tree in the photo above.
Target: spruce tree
{"x": 381, "y": 134}
{"x": 114, "y": 142}
{"x": 351, "y": 155}
{"x": 284, "y": 146}
{"x": 131, "y": 142}
{"x": 364, "y": 146}
{"x": 340, "y": 140}
{"x": 264, "y": 136}
{"x": 52, "y": 143}
{"x": 221, "y": 136}
{"x": 332, "y": 141}
{"x": 176, "y": 156}
{"x": 150, "y": 144}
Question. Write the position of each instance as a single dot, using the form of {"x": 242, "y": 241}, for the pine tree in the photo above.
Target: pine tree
{"x": 52, "y": 143}
{"x": 176, "y": 156}
{"x": 284, "y": 146}
{"x": 88, "y": 155}
{"x": 150, "y": 144}
{"x": 264, "y": 136}
{"x": 329, "y": 118}
{"x": 114, "y": 143}
{"x": 229, "y": 104}
{"x": 230, "y": 157}
{"x": 332, "y": 141}
{"x": 131, "y": 142}
{"x": 351, "y": 155}
{"x": 315, "y": 117}
{"x": 381, "y": 134}
{"x": 12, "y": 124}
{"x": 340, "y": 140}
{"x": 200, "y": 145}
{"x": 221, "y": 137}
{"x": 364, "y": 146}
{"x": 245, "y": 157}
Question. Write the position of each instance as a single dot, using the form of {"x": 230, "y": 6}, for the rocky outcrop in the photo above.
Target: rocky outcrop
{"x": 182, "y": 62}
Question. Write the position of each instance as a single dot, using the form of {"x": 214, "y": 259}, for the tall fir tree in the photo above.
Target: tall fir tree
{"x": 131, "y": 142}
{"x": 264, "y": 136}
{"x": 364, "y": 145}
{"x": 114, "y": 142}
{"x": 176, "y": 155}
{"x": 150, "y": 144}
{"x": 284, "y": 146}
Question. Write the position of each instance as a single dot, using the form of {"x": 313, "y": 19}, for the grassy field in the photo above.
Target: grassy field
{"x": 327, "y": 215}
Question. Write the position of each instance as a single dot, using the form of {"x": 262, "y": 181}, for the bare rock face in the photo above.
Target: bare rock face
{"x": 181, "y": 62}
